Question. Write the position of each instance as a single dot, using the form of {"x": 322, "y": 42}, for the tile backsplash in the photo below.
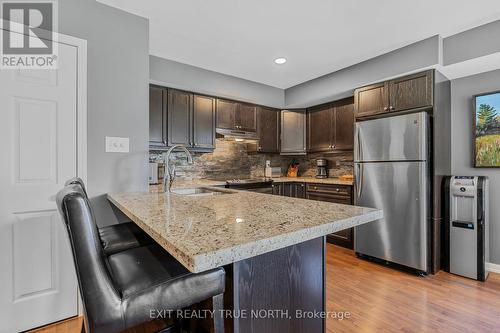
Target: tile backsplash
{"x": 231, "y": 159}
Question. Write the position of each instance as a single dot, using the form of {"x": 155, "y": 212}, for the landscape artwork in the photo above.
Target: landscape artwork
{"x": 487, "y": 131}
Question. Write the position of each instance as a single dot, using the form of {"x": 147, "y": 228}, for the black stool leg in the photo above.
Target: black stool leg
{"x": 217, "y": 307}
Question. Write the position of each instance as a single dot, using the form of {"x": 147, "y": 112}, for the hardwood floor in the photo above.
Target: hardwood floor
{"x": 381, "y": 299}
{"x": 71, "y": 325}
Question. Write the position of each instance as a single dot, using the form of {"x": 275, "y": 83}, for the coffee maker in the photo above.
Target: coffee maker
{"x": 321, "y": 168}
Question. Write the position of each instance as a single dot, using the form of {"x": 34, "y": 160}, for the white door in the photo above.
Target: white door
{"x": 38, "y": 147}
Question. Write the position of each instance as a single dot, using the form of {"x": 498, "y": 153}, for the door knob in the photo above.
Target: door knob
{"x": 386, "y": 108}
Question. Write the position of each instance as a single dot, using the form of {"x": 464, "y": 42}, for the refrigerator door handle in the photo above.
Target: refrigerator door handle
{"x": 359, "y": 152}
{"x": 359, "y": 180}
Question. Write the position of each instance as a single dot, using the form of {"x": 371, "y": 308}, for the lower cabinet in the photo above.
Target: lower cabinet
{"x": 290, "y": 189}
{"x": 341, "y": 194}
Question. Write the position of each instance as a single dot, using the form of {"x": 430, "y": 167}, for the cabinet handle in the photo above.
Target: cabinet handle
{"x": 386, "y": 108}
{"x": 391, "y": 108}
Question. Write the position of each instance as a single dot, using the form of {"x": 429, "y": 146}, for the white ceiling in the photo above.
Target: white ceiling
{"x": 243, "y": 37}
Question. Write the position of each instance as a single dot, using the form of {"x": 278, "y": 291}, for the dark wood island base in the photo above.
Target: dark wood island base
{"x": 264, "y": 294}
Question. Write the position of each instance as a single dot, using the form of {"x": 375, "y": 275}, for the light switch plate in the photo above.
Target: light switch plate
{"x": 117, "y": 145}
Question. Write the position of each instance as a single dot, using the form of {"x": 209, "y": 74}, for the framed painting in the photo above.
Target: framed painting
{"x": 487, "y": 130}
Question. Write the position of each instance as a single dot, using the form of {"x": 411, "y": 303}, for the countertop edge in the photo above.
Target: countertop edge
{"x": 188, "y": 264}
{"x": 275, "y": 243}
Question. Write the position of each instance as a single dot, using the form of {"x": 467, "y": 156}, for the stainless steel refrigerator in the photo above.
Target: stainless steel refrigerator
{"x": 391, "y": 165}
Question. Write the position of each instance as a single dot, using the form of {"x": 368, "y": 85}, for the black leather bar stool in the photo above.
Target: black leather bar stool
{"x": 117, "y": 237}
{"x": 119, "y": 291}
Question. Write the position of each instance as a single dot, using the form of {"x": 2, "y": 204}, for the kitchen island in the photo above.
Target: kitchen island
{"x": 272, "y": 247}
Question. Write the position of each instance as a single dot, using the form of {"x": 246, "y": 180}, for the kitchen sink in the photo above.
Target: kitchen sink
{"x": 197, "y": 191}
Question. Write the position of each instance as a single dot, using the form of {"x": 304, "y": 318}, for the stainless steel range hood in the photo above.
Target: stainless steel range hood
{"x": 237, "y": 135}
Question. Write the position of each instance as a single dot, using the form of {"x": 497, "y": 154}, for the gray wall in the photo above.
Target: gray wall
{"x": 118, "y": 75}
{"x": 177, "y": 75}
{"x": 341, "y": 84}
{"x": 462, "y": 91}
{"x": 473, "y": 43}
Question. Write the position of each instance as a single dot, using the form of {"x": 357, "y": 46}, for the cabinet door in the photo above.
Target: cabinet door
{"x": 278, "y": 188}
{"x": 203, "y": 122}
{"x": 226, "y": 113}
{"x": 246, "y": 117}
{"x": 320, "y": 128}
{"x": 411, "y": 92}
{"x": 268, "y": 130}
{"x": 157, "y": 116}
{"x": 344, "y": 127}
{"x": 288, "y": 190}
{"x": 293, "y": 132}
{"x": 300, "y": 190}
{"x": 371, "y": 100}
{"x": 335, "y": 194}
{"x": 179, "y": 117}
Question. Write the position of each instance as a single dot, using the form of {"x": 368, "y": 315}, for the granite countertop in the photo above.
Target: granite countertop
{"x": 204, "y": 232}
{"x": 332, "y": 181}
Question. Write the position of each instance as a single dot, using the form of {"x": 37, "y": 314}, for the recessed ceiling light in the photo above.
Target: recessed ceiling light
{"x": 280, "y": 61}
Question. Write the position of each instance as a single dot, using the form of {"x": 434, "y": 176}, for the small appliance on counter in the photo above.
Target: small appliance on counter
{"x": 272, "y": 172}
{"x": 321, "y": 168}
{"x": 466, "y": 218}
{"x": 153, "y": 173}
{"x": 156, "y": 172}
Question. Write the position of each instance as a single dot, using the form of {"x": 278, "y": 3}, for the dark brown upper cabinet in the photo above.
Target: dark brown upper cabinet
{"x": 180, "y": 117}
{"x": 180, "y": 104}
{"x": 320, "y": 128}
{"x": 236, "y": 116}
{"x": 203, "y": 122}
{"x": 293, "y": 132}
{"x": 372, "y": 100}
{"x": 411, "y": 92}
{"x": 406, "y": 93}
{"x": 246, "y": 117}
{"x": 344, "y": 127}
{"x": 268, "y": 130}
{"x": 226, "y": 114}
{"x": 330, "y": 127}
{"x": 158, "y": 98}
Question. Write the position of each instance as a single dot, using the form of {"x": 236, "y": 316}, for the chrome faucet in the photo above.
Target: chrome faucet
{"x": 170, "y": 172}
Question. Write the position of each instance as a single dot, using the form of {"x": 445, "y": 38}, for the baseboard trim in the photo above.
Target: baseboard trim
{"x": 493, "y": 268}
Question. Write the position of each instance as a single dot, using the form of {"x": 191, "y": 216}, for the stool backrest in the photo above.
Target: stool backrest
{"x": 102, "y": 302}
{"x": 77, "y": 181}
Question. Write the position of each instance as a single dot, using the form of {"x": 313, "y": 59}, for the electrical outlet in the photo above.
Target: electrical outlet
{"x": 117, "y": 145}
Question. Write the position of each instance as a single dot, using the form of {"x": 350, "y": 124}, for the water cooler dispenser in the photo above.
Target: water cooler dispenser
{"x": 466, "y": 223}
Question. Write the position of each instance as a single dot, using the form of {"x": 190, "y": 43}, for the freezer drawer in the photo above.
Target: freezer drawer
{"x": 400, "y": 190}
{"x": 392, "y": 139}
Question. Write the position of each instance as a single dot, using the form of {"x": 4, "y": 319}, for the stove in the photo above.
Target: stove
{"x": 262, "y": 185}
{"x": 248, "y": 181}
